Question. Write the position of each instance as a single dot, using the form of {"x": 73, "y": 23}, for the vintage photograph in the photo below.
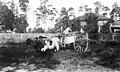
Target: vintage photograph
{"x": 59, "y": 35}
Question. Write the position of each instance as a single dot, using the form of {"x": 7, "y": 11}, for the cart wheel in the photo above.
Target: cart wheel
{"x": 84, "y": 45}
{"x": 81, "y": 46}
{"x": 77, "y": 47}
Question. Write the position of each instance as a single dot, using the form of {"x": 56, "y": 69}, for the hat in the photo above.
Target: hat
{"x": 42, "y": 37}
{"x": 36, "y": 37}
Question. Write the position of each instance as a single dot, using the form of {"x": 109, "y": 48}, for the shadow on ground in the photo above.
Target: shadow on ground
{"x": 106, "y": 54}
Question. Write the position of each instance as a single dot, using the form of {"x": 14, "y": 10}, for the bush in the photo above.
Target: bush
{"x": 38, "y": 30}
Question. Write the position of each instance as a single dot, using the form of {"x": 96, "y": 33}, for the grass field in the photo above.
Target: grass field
{"x": 65, "y": 60}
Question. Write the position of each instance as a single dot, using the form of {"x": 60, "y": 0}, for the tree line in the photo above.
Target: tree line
{"x": 11, "y": 20}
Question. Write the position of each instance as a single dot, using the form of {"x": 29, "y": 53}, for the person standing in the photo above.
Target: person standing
{"x": 39, "y": 44}
{"x": 67, "y": 30}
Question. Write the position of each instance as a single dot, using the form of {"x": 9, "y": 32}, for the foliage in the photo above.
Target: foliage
{"x": 86, "y": 7}
{"x": 64, "y": 20}
{"x": 53, "y": 31}
{"x": 66, "y": 14}
{"x": 38, "y": 30}
{"x": 105, "y": 28}
{"x": 6, "y": 17}
{"x": 45, "y": 12}
{"x": 12, "y": 5}
{"x": 21, "y": 24}
{"x": 23, "y": 5}
{"x": 91, "y": 19}
{"x": 9, "y": 20}
{"x": 100, "y": 8}
{"x": 60, "y": 26}
{"x": 115, "y": 11}
{"x": 106, "y": 8}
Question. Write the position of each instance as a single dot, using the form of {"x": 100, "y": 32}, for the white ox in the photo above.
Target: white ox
{"x": 51, "y": 44}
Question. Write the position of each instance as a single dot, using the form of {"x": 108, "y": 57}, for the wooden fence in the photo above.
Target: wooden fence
{"x": 20, "y": 37}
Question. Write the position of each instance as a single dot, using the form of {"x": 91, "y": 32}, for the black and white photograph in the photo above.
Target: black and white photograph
{"x": 59, "y": 35}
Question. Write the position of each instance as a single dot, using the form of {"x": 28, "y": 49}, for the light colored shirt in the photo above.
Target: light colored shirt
{"x": 66, "y": 31}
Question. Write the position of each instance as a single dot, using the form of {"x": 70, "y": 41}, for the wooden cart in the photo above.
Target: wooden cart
{"x": 79, "y": 41}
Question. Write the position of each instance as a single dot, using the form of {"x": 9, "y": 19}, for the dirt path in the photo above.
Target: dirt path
{"x": 62, "y": 61}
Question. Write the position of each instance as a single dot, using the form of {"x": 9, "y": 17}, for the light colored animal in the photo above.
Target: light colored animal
{"x": 51, "y": 44}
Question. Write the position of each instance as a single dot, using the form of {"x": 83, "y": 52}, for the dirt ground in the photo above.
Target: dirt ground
{"x": 62, "y": 61}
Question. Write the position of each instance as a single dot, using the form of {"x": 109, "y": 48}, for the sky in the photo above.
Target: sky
{"x": 63, "y": 3}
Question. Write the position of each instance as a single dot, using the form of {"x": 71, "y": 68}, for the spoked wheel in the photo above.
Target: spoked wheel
{"x": 81, "y": 46}
{"x": 81, "y": 43}
{"x": 84, "y": 45}
{"x": 77, "y": 47}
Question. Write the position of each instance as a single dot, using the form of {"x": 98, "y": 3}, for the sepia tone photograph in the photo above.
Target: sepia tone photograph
{"x": 59, "y": 35}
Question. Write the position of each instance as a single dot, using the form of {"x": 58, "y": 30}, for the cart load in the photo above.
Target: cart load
{"x": 77, "y": 39}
